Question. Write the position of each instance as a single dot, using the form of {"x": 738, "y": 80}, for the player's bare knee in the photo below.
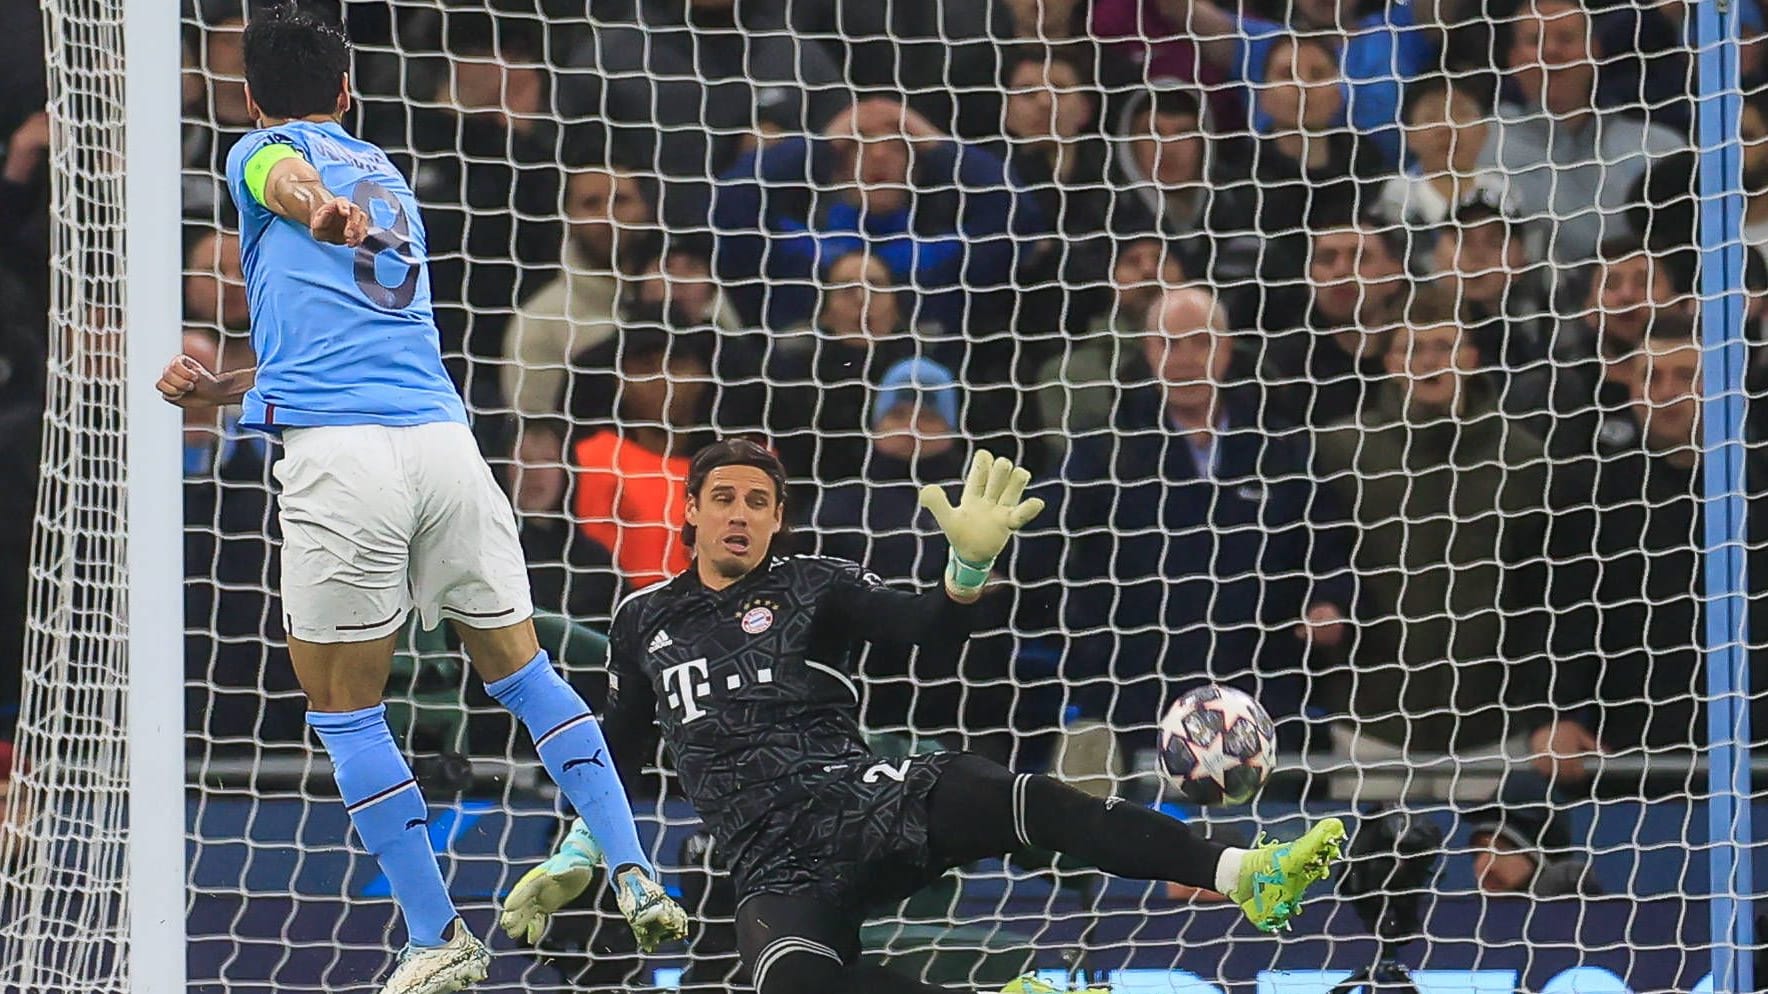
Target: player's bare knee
{"x": 497, "y": 652}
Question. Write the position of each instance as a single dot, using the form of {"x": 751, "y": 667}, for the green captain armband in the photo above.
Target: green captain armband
{"x": 259, "y": 164}
{"x": 965, "y": 576}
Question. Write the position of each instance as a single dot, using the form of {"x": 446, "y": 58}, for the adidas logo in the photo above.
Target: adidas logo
{"x": 661, "y": 641}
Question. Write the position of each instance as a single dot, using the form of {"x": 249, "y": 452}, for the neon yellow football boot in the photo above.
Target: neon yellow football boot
{"x": 1275, "y": 874}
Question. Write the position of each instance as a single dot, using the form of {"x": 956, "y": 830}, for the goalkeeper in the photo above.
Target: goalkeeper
{"x": 385, "y": 503}
{"x": 744, "y": 662}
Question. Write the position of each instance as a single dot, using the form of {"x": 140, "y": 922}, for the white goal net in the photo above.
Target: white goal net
{"x": 1357, "y": 348}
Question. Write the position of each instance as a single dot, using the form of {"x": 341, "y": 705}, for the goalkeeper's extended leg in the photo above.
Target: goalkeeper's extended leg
{"x": 980, "y": 808}
{"x": 569, "y": 741}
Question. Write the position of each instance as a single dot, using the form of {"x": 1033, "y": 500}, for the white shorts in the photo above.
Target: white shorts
{"x": 376, "y": 520}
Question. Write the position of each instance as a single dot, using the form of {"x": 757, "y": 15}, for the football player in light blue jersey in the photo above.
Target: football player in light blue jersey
{"x": 386, "y": 504}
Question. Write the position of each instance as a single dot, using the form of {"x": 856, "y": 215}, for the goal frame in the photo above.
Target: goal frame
{"x": 153, "y": 316}
{"x": 157, "y": 898}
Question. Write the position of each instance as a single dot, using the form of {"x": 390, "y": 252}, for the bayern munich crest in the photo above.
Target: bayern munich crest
{"x": 757, "y": 620}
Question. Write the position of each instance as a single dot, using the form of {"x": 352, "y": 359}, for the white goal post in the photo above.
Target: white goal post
{"x": 1403, "y": 582}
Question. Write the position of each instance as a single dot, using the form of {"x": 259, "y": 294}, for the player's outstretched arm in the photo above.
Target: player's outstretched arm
{"x": 188, "y": 383}
{"x": 989, "y": 511}
{"x": 293, "y": 190}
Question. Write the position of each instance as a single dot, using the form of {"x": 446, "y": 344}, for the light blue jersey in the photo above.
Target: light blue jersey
{"x": 344, "y": 336}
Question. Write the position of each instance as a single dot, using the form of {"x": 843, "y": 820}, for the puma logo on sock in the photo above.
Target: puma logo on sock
{"x": 415, "y": 822}
{"x": 579, "y": 761}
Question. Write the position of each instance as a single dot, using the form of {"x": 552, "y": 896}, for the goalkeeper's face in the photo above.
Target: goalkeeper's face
{"x": 735, "y": 515}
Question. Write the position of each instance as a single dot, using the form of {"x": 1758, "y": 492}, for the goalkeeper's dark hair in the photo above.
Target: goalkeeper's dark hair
{"x": 295, "y": 61}
{"x": 732, "y": 452}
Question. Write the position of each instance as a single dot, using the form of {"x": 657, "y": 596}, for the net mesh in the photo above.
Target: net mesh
{"x": 1351, "y": 346}
{"x": 63, "y": 897}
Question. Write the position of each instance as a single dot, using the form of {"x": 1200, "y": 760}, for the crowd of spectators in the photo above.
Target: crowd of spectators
{"x": 1318, "y": 321}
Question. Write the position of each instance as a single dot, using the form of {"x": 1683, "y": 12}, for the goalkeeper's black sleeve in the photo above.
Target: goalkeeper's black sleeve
{"x": 862, "y": 605}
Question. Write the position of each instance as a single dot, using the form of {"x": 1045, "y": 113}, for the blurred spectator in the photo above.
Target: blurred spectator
{"x": 483, "y": 151}
{"x": 239, "y": 687}
{"x": 214, "y": 283}
{"x": 23, "y": 71}
{"x": 1371, "y": 54}
{"x": 23, "y": 340}
{"x": 215, "y": 114}
{"x": 1057, "y": 159}
{"x": 629, "y": 463}
{"x": 1306, "y": 158}
{"x": 1645, "y": 68}
{"x": 942, "y": 57}
{"x": 822, "y": 379}
{"x": 1633, "y": 564}
{"x": 679, "y": 282}
{"x": 1169, "y": 161}
{"x": 670, "y": 87}
{"x": 606, "y": 219}
{"x": 1053, "y": 20}
{"x": 1197, "y": 546}
{"x": 1448, "y": 120}
{"x": 883, "y": 180}
{"x": 1139, "y": 34}
{"x": 1561, "y": 163}
{"x": 24, "y": 206}
{"x": 1624, "y": 293}
{"x": 1753, "y": 135}
{"x": 1482, "y": 257}
{"x": 1522, "y": 845}
{"x": 1326, "y": 370}
{"x": 1078, "y": 388}
{"x": 1449, "y": 503}
{"x": 876, "y": 520}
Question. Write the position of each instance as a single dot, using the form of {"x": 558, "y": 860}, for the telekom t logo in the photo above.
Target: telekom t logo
{"x": 686, "y": 682}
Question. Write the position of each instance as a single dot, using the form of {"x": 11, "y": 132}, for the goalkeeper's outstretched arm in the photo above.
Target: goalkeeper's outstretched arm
{"x": 989, "y": 511}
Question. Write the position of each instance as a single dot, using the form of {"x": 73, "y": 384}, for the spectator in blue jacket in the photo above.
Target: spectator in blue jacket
{"x": 1377, "y": 52}
{"x": 1201, "y": 548}
{"x": 880, "y": 179}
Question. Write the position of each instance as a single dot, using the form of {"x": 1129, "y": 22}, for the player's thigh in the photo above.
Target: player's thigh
{"x": 342, "y": 676}
{"x": 976, "y": 810}
{"x": 794, "y": 943}
{"x": 347, "y": 517}
{"x": 466, "y": 560}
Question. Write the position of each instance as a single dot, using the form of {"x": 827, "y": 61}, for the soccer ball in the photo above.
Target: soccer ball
{"x": 1217, "y": 745}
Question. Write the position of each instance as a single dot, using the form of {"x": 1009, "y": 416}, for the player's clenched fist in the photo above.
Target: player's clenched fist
{"x": 339, "y": 221}
{"x": 183, "y": 382}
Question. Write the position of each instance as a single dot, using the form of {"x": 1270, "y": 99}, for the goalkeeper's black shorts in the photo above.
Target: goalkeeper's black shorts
{"x": 859, "y": 837}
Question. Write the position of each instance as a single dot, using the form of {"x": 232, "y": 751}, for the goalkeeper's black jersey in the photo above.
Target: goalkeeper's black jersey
{"x": 752, "y": 685}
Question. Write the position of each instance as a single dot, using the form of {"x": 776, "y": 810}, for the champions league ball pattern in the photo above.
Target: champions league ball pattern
{"x": 1217, "y": 746}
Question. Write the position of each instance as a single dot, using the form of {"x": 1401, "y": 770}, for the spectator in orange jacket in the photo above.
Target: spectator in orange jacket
{"x": 630, "y": 463}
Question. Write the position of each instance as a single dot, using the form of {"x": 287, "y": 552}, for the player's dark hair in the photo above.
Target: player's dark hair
{"x": 732, "y": 452}
{"x": 295, "y": 61}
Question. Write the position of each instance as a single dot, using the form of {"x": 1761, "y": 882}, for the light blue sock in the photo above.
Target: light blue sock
{"x": 570, "y": 743}
{"x": 388, "y": 811}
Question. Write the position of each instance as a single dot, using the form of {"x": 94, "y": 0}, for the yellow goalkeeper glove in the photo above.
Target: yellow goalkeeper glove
{"x": 987, "y": 515}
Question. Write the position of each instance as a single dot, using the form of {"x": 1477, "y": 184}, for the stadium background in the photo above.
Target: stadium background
{"x": 655, "y": 221}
